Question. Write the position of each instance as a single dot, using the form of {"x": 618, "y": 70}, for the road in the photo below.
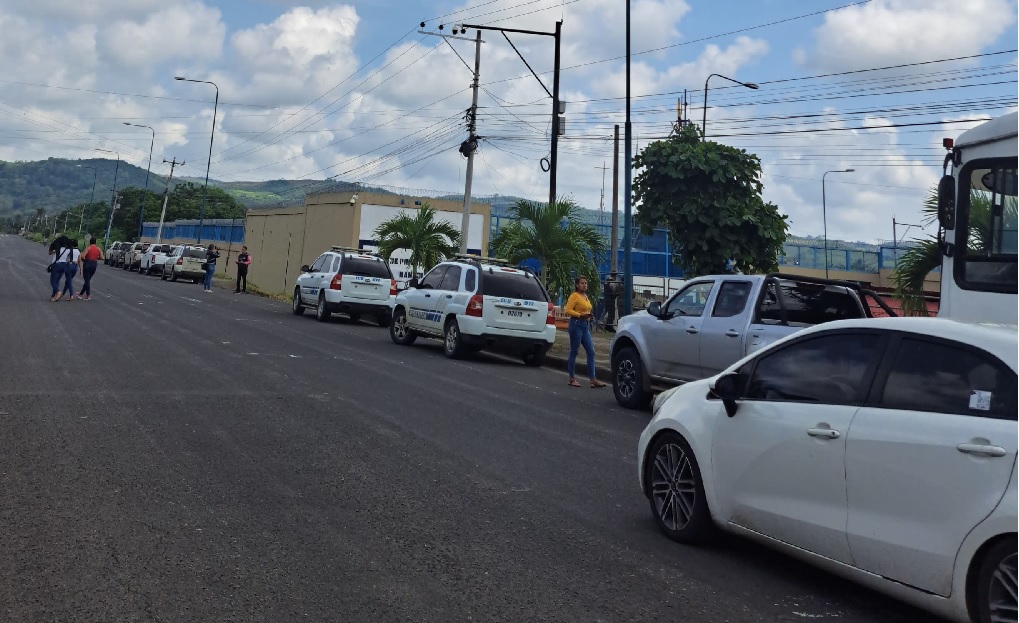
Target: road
{"x": 171, "y": 455}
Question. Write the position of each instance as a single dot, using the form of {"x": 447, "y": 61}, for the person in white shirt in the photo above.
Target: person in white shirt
{"x": 73, "y": 261}
{"x": 60, "y": 249}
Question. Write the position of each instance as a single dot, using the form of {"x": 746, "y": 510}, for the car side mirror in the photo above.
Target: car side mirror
{"x": 654, "y": 308}
{"x": 413, "y": 283}
{"x": 727, "y": 388}
{"x": 305, "y": 269}
{"x": 946, "y": 202}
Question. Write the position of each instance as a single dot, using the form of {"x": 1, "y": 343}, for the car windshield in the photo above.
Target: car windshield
{"x": 512, "y": 285}
{"x": 365, "y": 268}
{"x": 200, "y": 253}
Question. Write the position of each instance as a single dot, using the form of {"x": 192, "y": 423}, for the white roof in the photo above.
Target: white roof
{"x": 999, "y": 340}
{"x": 1002, "y": 127}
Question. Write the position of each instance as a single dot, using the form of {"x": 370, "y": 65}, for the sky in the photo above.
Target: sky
{"x": 352, "y": 91}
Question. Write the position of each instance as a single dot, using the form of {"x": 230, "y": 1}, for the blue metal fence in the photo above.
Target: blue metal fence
{"x": 213, "y": 230}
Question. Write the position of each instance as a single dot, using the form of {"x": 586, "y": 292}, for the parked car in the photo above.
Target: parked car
{"x": 115, "y": 256}
{"x": 184, "y": 262}
{"x": 475, "y": 303}
{"x": 349, "y": 281}
{"x": 714, "y": 321}
{"x": 882, "y": 450}
{"x": 133, "y": 255}
{"x": 110, "y": 251}
{"x": 152, "y": 259}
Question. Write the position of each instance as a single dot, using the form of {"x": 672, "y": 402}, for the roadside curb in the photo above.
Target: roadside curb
{"x": 559, "y": 363}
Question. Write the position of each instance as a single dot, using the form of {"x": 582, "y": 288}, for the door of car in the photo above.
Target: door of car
{"x": 311, "y": 281}
{"x": 420, "y": 299}
{"x": 779, "y": 463}
{"x": 929, "y": 459}
{"x": 674, "y": 339}
{"x": 444, "y": 294}
{"x": 723, "y": 331}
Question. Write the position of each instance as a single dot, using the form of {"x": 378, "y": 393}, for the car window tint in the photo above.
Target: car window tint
{"x": 451, "y": 280}
{"x": 366, "y": 268}
{"x": 471, "y": 281}
{"x": 197, "y": 253}
{"x": 691, "y": 300}
{"x": 334, "y": 265}
{"x": 939, "y": 377}
{"x": 732, "y": 299}
{"x": 807, "y": 304}
{"x": 434, "y": 277}
{"x": 319, "y": 265}
{"x": 511, "y": 285}
{"x": 828, "y": 370}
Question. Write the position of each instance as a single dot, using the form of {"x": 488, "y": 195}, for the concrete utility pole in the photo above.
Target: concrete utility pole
{"x": 614, "y": 264}
{"x": 166, "y": 198}
{"x": 470, "y": 146}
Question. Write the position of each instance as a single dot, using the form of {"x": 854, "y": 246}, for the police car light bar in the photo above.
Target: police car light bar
{"x": 480, "y": 258}
{"x": 351, "y": 250}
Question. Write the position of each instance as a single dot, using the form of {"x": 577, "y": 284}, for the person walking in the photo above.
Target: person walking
{"x": 89, "y": 263}
{"x": 211, "y": 255}
{"x": 613, "y": 289}
{"x": 243, "y": 261}
{"x": 71, "y": 269}
{"x": 578, "y": 308}
{"x": 60, "y": 248}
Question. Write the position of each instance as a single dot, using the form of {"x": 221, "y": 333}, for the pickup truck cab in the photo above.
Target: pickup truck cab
{"x": 714, "y": 321}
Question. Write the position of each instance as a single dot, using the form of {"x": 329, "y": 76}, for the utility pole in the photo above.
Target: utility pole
{"x": 614, "y": 264}
{"x": 556, "y": 111}
{"x": 471, "y": 145}
{"x": 166, "y": 198}
{"x": 601, "y": 202}
{"x": 627, "y": 187}
{"x": 114, "y": 206}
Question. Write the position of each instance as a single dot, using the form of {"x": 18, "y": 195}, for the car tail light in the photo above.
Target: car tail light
{"x": 475, "y": 306}
{"x": 550, "y": 319}
{"x": 180, "y": 261}
{"x": 392, "y": 287}
{"x": 337, "y": 282}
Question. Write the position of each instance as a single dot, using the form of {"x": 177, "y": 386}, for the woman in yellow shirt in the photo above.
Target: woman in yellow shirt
{"x": 578, "y": 308}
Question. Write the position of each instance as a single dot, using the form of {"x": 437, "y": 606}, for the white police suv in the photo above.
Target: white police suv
{"x": 354, "y": 282}
{"x": 474, "y": 303}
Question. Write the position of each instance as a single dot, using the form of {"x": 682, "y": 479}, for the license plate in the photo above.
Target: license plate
{"x": 515, "y": 314}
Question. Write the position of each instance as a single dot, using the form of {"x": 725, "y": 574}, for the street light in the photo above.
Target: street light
{"x": 201, "y": 212}
{"x": 824, "y": 215}
{"x": 92, "y": 199}
{"x": 704, "y": 119}
{"x": 141, "y": 206}
{"x": 113, "y": 199}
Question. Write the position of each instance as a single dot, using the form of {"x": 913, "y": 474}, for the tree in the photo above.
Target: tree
{"x": 709, "y": 198}
{"x": 429, "y": 241}
{"x": 554, "y": 235}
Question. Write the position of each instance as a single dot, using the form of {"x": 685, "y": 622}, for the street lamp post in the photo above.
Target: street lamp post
{"x": 201, "y": 212}
{"x": 824, "y": 216}
{"x": 92, "y": 199}
{"x": 141, "y": 206}
{"x": 627, "y": 187}
{"x": 113, "y": 199}
{"x": 704, "y": 112}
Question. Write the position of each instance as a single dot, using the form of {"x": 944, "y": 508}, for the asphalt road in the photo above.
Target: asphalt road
{"x": 170, "y": 455}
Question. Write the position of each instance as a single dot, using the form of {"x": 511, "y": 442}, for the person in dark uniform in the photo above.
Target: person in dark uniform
{"x": 613, "y": 289}
{"x": 243, "y": 261}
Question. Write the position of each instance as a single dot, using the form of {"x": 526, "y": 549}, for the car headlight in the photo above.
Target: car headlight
{"x": 661, "y": 398}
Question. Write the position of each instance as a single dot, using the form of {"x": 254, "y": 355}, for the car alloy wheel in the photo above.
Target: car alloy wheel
{"x": 673, "y": 486}
{"x": 322, "y": 313}
{"x": 452, "y": 344}
{"x": 399, "y": 331}
{"x": 1002, "y": 604}
{"x": 626, "y": 378}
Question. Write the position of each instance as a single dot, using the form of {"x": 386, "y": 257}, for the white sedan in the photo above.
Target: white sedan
{"x": 882, "y": 450}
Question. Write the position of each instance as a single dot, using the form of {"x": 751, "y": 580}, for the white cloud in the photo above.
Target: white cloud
{"x": 189, "y": 31}
{"x": 893, "y": 32}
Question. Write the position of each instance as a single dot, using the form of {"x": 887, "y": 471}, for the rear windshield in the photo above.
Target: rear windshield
{"x": 194, "y": 253}
{"x": 365, "y": 268}
{"x": 807, "y": 304}
{"x": 511, "y": 285}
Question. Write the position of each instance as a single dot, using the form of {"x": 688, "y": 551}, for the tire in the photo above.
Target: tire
{"x": 399, "y": 332}
{"x": 996, "y": 598}
{"x": 298, "y": 307}
{"x": 628, "y": 380}
{"x": 383, "y": 320}
{"x": 452, "y": 341}
{"x": 322, "y": 313}
{"x": 163, "y": 276}
{"x": 675, "y": 491}
{"x": 354, "y": 318}
{"x": 534, "y": 358}
{"x": 173, "y": 275}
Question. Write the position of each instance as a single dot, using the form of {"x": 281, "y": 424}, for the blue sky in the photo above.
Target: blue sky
{"x": 301, "y": 96}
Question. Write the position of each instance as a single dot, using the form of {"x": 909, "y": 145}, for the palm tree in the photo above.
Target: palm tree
{"x": 554, "y": 235}
{"x": 429, "y": 241}
{"x": 915, "y": 264}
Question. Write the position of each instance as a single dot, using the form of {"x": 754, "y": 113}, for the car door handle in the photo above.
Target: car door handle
{"x": 980, "y": 450}
{"x": 732, "y": 333}
{"x": 449, "y": 296}
{"x": 428, "y": 295}
{"x": 824, "y": 433}
{"x": 691, "y": 330}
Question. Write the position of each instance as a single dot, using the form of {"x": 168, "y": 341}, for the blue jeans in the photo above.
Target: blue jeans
{"x": 89, "y": 269}
{"x": 208, "y": 275}
{"x": 580, "y": 334}
{"x": 70, "y": 270}
{"x": 56, "y": 274}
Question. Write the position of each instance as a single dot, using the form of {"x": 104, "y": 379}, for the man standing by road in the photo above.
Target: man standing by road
{"x": 243, "y": 261}
{"x": 612, "y": 291}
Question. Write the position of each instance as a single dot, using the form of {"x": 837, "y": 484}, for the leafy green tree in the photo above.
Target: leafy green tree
{"x": 429, "y": 241}
{"x": 554, "y": 235}
{"x": 708, "y": 196}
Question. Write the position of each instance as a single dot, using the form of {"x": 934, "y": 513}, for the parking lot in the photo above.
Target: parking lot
{"x": 180, "y": 456}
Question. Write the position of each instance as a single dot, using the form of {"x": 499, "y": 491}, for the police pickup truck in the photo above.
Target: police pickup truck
{"x": 714, "y": 321}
